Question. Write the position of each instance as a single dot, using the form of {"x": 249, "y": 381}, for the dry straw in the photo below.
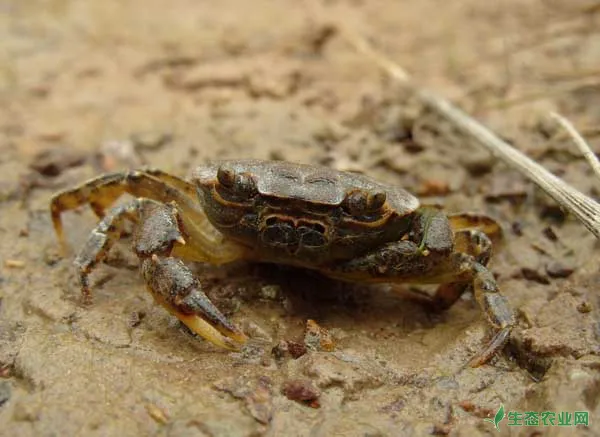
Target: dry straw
{"x": 581, "y": 206}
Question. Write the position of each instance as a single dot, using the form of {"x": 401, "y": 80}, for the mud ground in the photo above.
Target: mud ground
{"x": 88, "y": 87}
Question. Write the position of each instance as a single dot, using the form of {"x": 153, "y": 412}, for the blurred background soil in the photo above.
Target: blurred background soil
{"x": 90, "y": 86}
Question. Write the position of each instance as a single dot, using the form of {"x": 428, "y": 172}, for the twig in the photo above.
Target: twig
{"x": 583, "y": 207}
{"x": 586, "y": 150}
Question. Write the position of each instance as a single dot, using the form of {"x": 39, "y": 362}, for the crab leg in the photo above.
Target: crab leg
{"x": 405, "y": 261}
{"x": 205, "y": 243}
{"x": 471, "y": 242}
{"x": 169, "y": 280}
{"x": 101, "y": 239}
{"x": 480, "y": 222}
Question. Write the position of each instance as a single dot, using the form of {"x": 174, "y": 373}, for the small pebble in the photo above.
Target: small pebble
{"x": 534, "y": 275}
{"x": 556, "y": 269}
{"x": 302, "y": 390}
{"x": 440, "y": 429}
{"x": 14, "y": 264}
{"x": 53, "y": 161}
{"x": 317, "y": 338}
{"x": 285, "y": 347}
{"x": 517, "y": 228}
{"x": 157, "y": 413}
{"x": 296, "y": 349}
{"x": 584, "y": 307}
{"x": 550, "y": 234}
{"x": 270, "y": 292}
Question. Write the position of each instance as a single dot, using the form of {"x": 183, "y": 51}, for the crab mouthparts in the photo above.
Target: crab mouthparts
{"x": 293, "y": 234}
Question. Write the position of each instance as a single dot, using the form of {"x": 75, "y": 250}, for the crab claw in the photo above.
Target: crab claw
{"x": 199, "y": 314}
{"x": 174, "y": 287}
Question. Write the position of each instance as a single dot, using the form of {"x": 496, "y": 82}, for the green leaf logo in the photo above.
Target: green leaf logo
{"x": 498, "y": 418}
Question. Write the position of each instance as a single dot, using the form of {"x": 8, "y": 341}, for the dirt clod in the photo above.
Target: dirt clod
{"x": 53, "y": 161}
{"x": 302, "y": 390}
{"x": 256, "y": 394}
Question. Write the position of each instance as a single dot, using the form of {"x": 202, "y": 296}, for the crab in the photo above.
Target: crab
{"x": 344, "y": 225}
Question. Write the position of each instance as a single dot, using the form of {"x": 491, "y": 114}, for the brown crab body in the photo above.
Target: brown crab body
{"x": 299, "y": 214}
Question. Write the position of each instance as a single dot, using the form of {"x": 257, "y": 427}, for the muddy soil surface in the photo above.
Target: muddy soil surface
{"x": 89, "y": 87}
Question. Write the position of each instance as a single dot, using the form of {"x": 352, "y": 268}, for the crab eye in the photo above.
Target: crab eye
{"x": 376, "y": 200}
{"x": 226, "y": 176}
{"x": 245, "y": 185}
{"x": 236, "y": 185}
{"x": 359, "y": 202}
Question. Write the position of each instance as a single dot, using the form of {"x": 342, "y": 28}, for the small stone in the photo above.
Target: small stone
{"x": 302, "y": 390}
{"x": 158, "y": 414}
{"x": 288, "y": 347}
{"x": 584, "y": 307}
{"x": 256, "y": 332}
{"x": 317, "y": 338}
{"x": 259, "y": 402}
{"x": 433, "y": 187}
{"x": 517, "y": 228}
{"x": 440, "y": 429}
{"x": 556, "y": 269}
{"x": 476, "y": 410}
{"x": 550, "y": 234}
{"x": 270, "y": 292}
{"x": 296, "y": 349}
{"x": 53, "y": 161}
{"x": 257, "y": 395}
{"x": 280, "y": 350}
{"x": 478, "y": 164}
{"x": 534, "y": 275}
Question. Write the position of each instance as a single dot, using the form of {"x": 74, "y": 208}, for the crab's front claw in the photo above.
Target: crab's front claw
{"x": 173, "y": 286}
{"x": 199, "y": 314}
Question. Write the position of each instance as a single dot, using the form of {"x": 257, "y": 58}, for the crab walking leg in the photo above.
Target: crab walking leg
{"x": 173, "y": 285}
{"x": 497, "y": 309}
{"x": 472, "y": 221}
{"x": 102, "y": 238}
{"x": 169, "y": 280}
{"x": 471, "y": 242}
{"x": 404, "y": 261}
{"x": 206, "y": 243}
